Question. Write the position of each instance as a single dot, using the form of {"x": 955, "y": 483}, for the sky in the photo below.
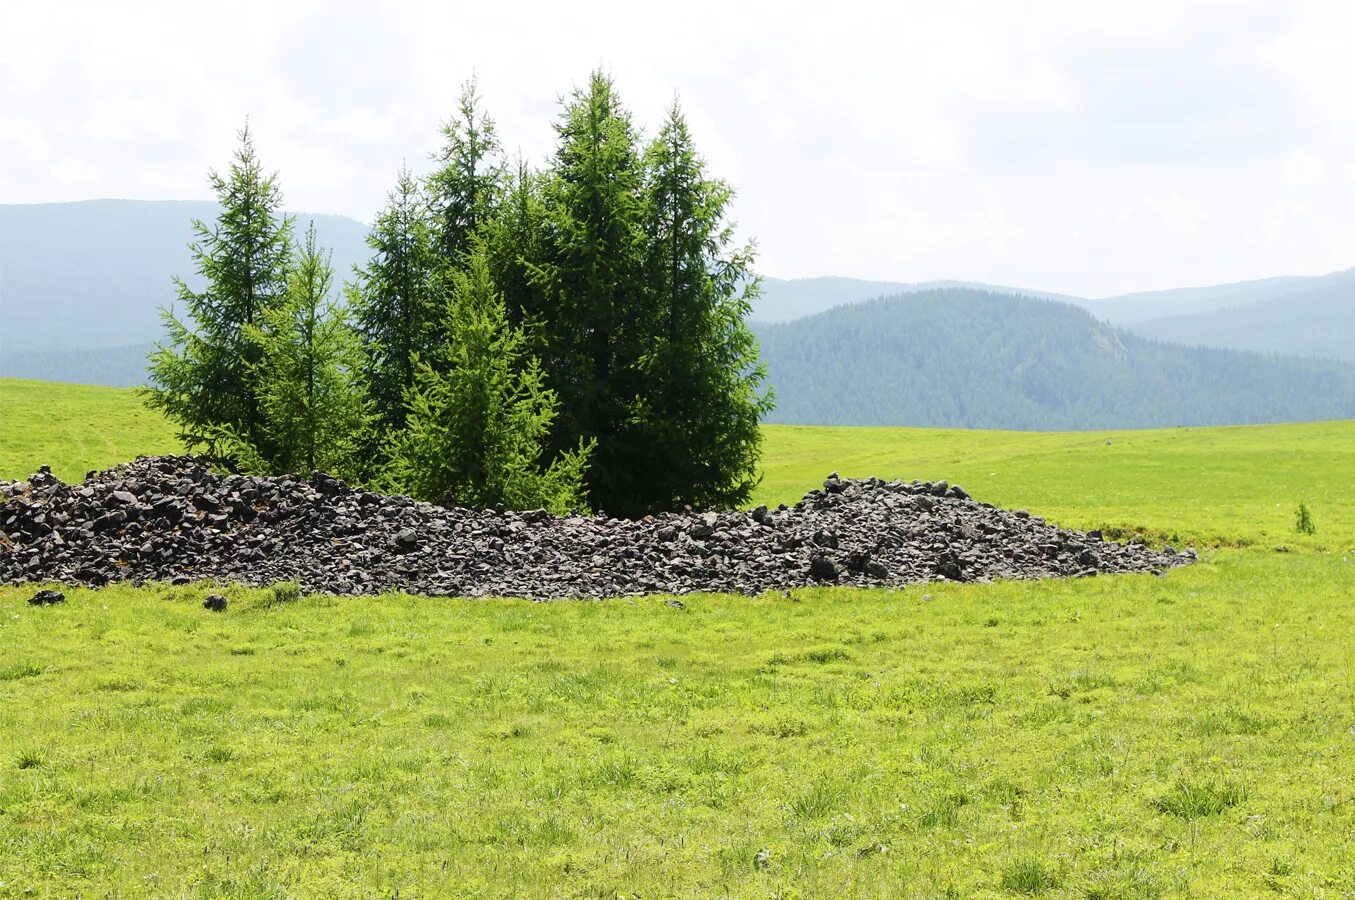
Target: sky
{"x": 1088, "y": 148}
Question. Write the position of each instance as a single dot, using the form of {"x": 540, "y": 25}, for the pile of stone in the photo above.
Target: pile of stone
{"x": 173, "y": 519}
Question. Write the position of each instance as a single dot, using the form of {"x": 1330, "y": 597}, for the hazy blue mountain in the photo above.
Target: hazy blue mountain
{"x": 1128, "y": 309}
{"x": 784, "y": 300}
{"x": 123, "y": 366}
{"x": 976, "y": 359}
{"x": 1311, "y": 317}
{"x": 94, "y": 274}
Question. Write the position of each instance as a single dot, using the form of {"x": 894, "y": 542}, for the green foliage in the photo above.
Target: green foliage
{"x": 480, "y": 414}
{"x": 594, "y": 317}
{"x": 394, "y": 301}
{"x": 1303, "y": 520}
{"x": 314, "y": 403}
{"x": 514, "y": 240}
{"x": 618, "y": 300}
{"x": 638, "y": 300}
{"x": 203, "y": 379}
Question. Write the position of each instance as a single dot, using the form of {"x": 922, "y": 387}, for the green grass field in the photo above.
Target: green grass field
{"x": 1126, "y": 737}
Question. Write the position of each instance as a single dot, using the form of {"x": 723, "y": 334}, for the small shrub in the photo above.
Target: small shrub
{"x": 284, "y": 592}
{"x": 1303, "y": 520}
{"x": 1029, "y": 876}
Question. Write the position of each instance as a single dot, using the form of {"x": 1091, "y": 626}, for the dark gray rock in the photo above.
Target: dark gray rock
{"x": 46, "y": 597}
{"x": 215, "y": 602}
{"x": 821, "y": 568}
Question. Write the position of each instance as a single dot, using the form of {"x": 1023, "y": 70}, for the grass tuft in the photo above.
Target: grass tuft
{"x": 30, "y": 759}
{"x": 1029, "y": 875}
{"x": 1197, "y": 798}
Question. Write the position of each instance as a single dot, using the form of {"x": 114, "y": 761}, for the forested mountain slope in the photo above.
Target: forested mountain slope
{"x": 783, "y": 300}
{"x": 976, "y": 359}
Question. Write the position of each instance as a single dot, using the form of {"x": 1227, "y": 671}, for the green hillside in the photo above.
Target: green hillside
{"x": 1117, "y": 737}
{"x": 75, "y": 428}
{"x": 786, "y": 299}
{"x": 965, "y": 358}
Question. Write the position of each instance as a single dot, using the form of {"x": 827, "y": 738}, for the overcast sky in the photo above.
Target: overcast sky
{"x": 1081, "y": 147}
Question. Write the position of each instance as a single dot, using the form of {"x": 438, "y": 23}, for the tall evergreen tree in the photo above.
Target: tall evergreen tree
{"x": 514, "y": 238}
{"x": 463, "y": 189}
{"x": 480, "y": 419}
{"x": 314, "y": 404}
{"x": 394, "y": 300}
{"x": 595, "y": 317}
{"x": 704, "y": 390}
{"x": 202, "y": 378}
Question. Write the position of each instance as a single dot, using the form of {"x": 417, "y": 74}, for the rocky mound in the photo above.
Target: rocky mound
{"x": 173, "y": 519}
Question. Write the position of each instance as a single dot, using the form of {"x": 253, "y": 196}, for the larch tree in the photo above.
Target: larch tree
{"x": 594, "y": 316}
{"x": 704, "y": 384}
{"x": 480, "y": 415}
{"x": 394, "y": 300}
{"x": 312, "y": 395}
{"x": 202, "y": 376}
{"x": 464, "y": 188}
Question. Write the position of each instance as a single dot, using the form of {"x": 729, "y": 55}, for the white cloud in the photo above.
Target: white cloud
{"x": 1071, "y": 146}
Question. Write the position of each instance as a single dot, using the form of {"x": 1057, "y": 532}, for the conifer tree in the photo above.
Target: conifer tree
{"x": 479, "y": 419}
{"x": 464, "y": 188}
{"x": 394, "y": 300}
{"x": 595, "y": 318}
{"x": 704, "y": 391}
{"x": 514, "y": 240}
{"x": 202, "y": 378}
{"x": 315, "y": 406}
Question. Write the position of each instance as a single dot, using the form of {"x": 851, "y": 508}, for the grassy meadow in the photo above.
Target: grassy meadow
{"x": 1124, "y": 737}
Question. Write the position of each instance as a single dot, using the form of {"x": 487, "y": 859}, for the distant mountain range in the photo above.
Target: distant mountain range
{"x": 94, "y": 274}
{"x": 960, "y": 357}
{"x": 1305, "y": 316}
{"x": 784, "y": 300}
{"x": 81, "y": 285}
